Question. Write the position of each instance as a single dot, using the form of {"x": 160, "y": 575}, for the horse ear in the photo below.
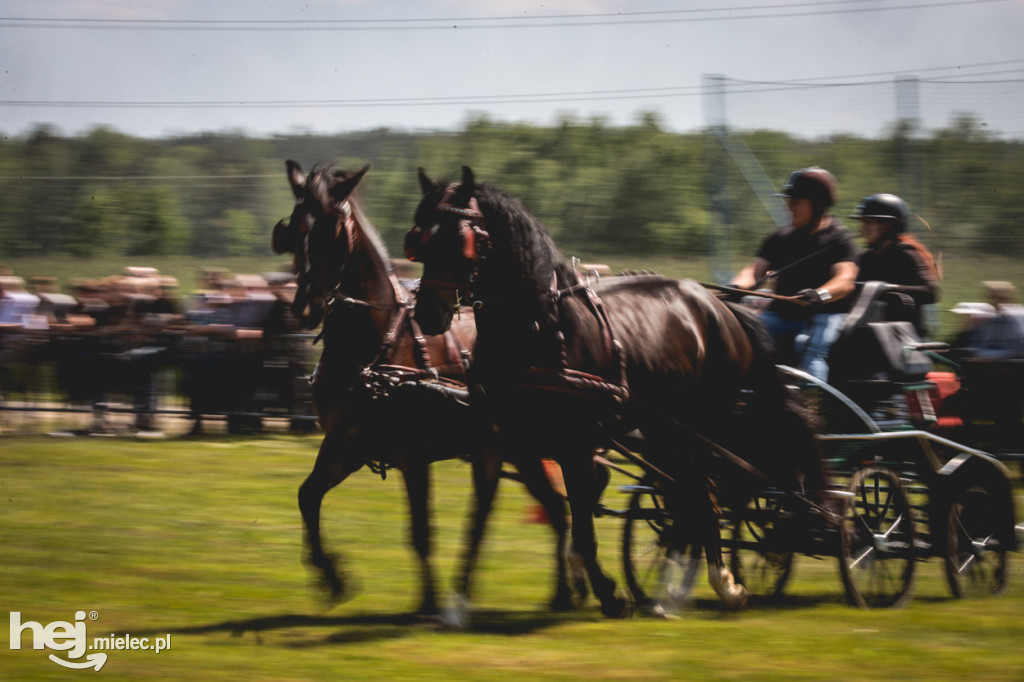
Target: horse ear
{"x": 426, "y": 184}
{"x": 343, "y": 190}
{"x": 296, "y": 177}
{"x": 468, "y": 182}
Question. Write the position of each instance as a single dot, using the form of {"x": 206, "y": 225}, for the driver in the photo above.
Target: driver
{"x": 812, "y": 259}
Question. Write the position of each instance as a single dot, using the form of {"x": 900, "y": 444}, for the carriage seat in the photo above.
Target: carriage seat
{"x": 871, "y": 347}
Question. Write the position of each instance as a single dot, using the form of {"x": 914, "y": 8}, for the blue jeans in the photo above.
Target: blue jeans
{"x": 804, "y": 343}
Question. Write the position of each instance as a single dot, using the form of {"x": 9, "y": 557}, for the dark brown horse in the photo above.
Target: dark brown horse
{"x": 386, "y": 395}
{"x": 562, "y": 364}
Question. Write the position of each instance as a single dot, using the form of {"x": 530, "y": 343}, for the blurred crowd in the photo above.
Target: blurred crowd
{"x": 232, "y": 349}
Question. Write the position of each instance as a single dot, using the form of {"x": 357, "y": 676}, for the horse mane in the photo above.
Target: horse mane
{"x": 509, "y": 221}
{"x": 321, "y": 179}
{"x": 373, "y": 236}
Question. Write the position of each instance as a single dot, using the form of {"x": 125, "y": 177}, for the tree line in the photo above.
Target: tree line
{"x": 635, "y": 190}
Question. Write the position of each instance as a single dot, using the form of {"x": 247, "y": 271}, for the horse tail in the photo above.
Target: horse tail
{"x": 780, "y": 417}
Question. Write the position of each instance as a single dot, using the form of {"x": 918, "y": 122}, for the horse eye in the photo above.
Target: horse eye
{"x": 434, "y": 229}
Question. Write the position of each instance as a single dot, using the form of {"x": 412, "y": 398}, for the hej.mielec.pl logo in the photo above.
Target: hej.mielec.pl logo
{"x": 72, "y": 638}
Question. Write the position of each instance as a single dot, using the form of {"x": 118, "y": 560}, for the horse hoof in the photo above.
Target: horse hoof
{"x": 732, "y": 594}
{"x": 659, "y": 612}
{"x": 455, "y": 614}
{"x": 567, "y": 599}
{"x": 334, "y": 594}
{"x": 617, "y": 607}
{"x": 736, "y": 598}
{"x": 334, "y": 590}
{"x": 562, "y": 603}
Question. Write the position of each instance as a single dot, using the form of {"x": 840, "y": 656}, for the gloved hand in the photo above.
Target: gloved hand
{"x": 814, "y": 296}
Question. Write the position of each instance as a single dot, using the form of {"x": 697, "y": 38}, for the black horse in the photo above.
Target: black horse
{"x": 386, "y": 395}
{"x": 561, "y": 364}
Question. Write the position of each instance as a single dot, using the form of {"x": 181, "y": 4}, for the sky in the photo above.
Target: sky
{"x": 268, "y": 67}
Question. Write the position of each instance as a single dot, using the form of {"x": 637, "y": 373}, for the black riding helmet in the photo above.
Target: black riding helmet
{"x": 887, "y": 207}
{"x": 813, "y": 183}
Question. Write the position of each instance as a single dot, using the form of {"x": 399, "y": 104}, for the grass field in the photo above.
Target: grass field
{"x": 201, "y": 541}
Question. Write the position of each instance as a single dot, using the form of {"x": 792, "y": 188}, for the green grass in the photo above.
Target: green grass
{"x": 202, "y": 540}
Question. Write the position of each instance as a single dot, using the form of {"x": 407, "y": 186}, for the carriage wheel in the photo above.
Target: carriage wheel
{"x": 761, "y": 557}
{"x": 877, "y": 540}
{"x": 975, "y": 558}
{"x": 659, "y": 571}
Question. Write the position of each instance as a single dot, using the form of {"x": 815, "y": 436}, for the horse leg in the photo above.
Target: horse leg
{"x": 486, "y": 466}
{"x": 417, "y": 486}
{"x": 732, "y": 594}
{"x": 330, "y": 469}
{"x": 486, "y": 474}
{"x": 721, "y": 579}
{"x": 581, "y": 485}
{"x": 537, "y": 482}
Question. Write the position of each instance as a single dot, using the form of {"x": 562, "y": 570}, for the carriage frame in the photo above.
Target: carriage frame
{"x": 896, "y": 497}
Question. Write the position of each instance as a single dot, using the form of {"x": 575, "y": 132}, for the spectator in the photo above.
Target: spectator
{"x": 897, "y": 258}
{"x": 812, "y": 260}
{"x": 1000, "y": 336}
{"x": 17, "y": 306}
{"x": 991, "y": 353}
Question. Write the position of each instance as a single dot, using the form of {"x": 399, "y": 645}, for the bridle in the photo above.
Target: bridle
{"x": 334, "y": 298}
{"x": 476, "y": 241}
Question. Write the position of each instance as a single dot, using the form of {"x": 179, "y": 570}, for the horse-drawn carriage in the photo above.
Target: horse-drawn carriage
{"x": 900, "y": 490}
{"x": 885, "y": 498}
{"x": 896, "y": 497}
{"x": 681, "y": 386}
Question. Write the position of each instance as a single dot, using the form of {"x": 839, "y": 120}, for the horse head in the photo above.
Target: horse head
{"x": 449, "y": 239}
{"x": 319, "y": 233}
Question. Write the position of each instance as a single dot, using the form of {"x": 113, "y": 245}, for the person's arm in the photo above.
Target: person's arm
{"x": 844, "y": 280}
{"x": 749, "y": 276}
{"x": 841, "y": 285}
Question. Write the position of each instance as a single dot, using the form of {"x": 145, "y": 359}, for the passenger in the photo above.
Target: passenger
{"x": 811, "y": 259}
{"x": 897, "y": 258}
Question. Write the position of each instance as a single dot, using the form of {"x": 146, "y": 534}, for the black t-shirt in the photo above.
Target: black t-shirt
{"x": 906, "y": 264}
{"x": 804, "y": 260}
{"x": 900, "y": 264}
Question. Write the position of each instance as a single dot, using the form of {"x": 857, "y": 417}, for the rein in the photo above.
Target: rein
{"x": 761, "y": 294}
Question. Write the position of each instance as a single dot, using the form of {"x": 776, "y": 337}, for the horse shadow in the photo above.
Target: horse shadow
{"x": 367, "y": 628}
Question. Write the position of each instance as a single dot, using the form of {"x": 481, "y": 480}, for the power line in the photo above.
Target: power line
{"x": 532, "y": 98}
{"x": 446, "y": 20}
{"x": 738, "y": 13}
{"x": 928, "y": 69}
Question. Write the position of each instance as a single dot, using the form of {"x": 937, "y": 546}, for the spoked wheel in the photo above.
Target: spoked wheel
{"x": 975, "y": 557}
{"x": 877, "y": 540}
{"x": 761, "y": 554}
{"x": 659, "y": 570}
